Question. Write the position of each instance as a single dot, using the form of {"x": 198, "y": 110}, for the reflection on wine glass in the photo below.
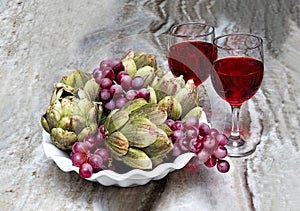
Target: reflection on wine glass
{"x": 190, "y": 51}
{"x": 236, "y": 77}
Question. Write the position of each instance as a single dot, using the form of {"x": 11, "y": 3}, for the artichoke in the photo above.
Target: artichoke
{"x": 146, "y": 141}
{"x": 71, "y": 114}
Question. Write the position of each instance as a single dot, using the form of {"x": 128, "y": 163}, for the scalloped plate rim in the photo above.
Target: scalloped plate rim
{"x": 63, "y": 161}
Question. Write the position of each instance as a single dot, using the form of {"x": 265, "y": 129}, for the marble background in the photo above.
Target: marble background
{"x": 42, "y": 40}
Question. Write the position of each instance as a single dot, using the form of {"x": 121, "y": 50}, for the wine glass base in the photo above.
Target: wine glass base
{"x": 239, "y": 148}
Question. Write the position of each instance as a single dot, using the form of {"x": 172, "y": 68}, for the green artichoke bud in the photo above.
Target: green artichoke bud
{"x": 153, "y": 112}
{"x": 142, "y": 59}
{"x": 72, "y": 114}
{"x": 137, "y": 159}
{"x": 129, "y": 66}
{"x": 70, "y": 117}
{"x": 116, "y": 120}
{"x": 133, "y": 105}
{"x": 187, "y": 97}
{"x": 117, "y": 143}
{"x": 140, "y": 132}
{"x": 76, "y": 79}
{"x": 147, "y": 73}
{"x": 160, "y": 147}
{"x": 172, "y": 106}
{"x": 196, "y": 112}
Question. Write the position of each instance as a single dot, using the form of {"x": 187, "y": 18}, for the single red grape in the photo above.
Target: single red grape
{"x": 78, "y": 159}
{"x": 85, "y": 170}
{"x": 223, "y": 166}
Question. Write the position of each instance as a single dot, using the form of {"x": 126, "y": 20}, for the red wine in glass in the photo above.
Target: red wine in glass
{"x": 192, "y": 59}
{"x": 237, "y": 79}
{"x": 190, "y": 51}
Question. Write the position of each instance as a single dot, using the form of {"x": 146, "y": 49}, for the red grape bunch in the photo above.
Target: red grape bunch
{"x": 117, "y": 87}
{"x": 207, "y": 143}
{"x": 90, "y": 155}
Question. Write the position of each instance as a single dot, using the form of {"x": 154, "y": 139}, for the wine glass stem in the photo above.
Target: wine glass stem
{"x": 234, "y": 137}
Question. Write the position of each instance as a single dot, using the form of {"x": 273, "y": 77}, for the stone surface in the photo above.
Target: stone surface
{"x": 42, "y": 40}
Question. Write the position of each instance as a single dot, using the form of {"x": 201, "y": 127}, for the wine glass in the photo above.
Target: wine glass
{"x": 236, "y": 77}
{"x": 190, "y": 51}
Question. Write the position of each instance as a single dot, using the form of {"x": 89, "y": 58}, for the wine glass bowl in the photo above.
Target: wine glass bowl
{"x": 236, "y": 77}
{"x": 190, "y": 51}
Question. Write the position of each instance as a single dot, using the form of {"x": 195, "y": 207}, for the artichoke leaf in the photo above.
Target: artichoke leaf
{"x": 63, "y": 139}
{"x": 83, "y": 115}
{"x": 44, "y": 122}
{"x": 58, "y": 110}
{"x": 160, "y": 147}
{"x": 128, "y": 54}
{"x": 116, "y": 120}
{"x": 99, "y": 112}
{"x": 129, "y": 66}
{"x": 172, "y": 107}
{"x": 89, "y": 130}
{"x": 166, "y": 129}
{"x": 142, "y": 59}
{"x": 76, "y": 79}
{"x": 136, "y": 158}
{"x": 187, "y": 97}
{"x": 117, "y": 143}
{"x": 90, "y": 90}
{"x": 168, "y": 85}
{"x": 108, "y": 119}
{"x": 153, "y": 112}
{"x": 133, "y": 105}
{"x": 196, "y": 112}
{"x": 60, "y": 91}
{"x": 140, "y": 132}
{"x": 152, "y": 98}
{"x": 53, "y": 114}
{"x": 147, "y": 73}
